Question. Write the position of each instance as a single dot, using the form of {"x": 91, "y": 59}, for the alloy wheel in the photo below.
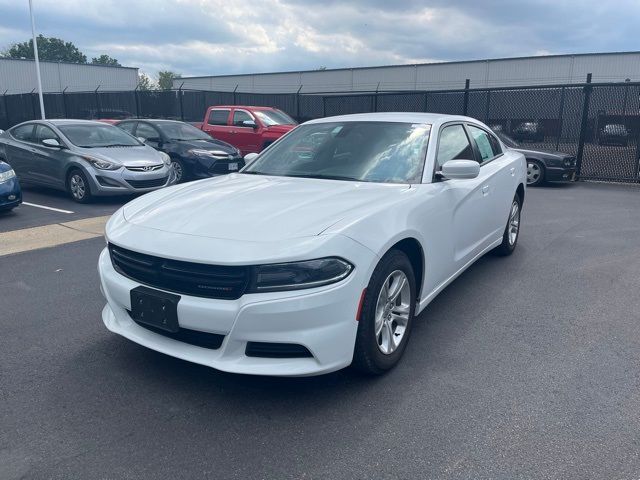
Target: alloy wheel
{"x": 177, "y": 168}
{"x": 534, "y": 172}
{"x": 78, "y": 188}
{"x": 392, "y": 312}
{"x": 514, "y": 223}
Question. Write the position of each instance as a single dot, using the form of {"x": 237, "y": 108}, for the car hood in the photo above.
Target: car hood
{"x": 206, "y": 144}
{"x": 258, "y": 207}
{"x": 542, "y": 153}
{"x": 281, "y": 128}
{"x": 127, "y": 156}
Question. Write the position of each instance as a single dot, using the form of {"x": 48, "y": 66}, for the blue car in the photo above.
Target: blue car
{"x": 10, "y": 193}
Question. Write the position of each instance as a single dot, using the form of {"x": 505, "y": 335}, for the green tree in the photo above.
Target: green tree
{"x": 166, "y": 78}
{"x": 105, "y": 60}
{"x": 144, "y": 83}
{"x": 49, "y": 49}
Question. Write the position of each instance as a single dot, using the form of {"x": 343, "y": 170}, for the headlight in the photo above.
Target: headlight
{"x": 208, "y": 153}
{"x": 165, "y": 158}
{"x": 6, "y": 176}
{"x": 569, "y": 162}
{"x": 299, "y": 275}
{"x": 101, "y": 164}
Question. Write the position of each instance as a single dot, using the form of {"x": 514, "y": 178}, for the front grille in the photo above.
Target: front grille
{"x": 196, "y": 279}
{"x": 276, "y": 350}
{"x": 192, "y": 337}
{"x": 156, "y": 182}
{"x": 145, "y": 168}
{"x": 222, "y": 166}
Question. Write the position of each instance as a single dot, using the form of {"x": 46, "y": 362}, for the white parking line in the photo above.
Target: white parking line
{"x": 47, "y": 208}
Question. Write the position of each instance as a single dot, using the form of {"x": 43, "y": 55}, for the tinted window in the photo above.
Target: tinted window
{"x": 127, "y": 127}
{"x": 182, "y": 131}
{"x": 385, "y": 152}
{"x": 218, "y": 117}
{"x": 147, "y": 132}
{"x": 485, "y": 143}
{"x": 274, "y": 117}
{"x": 23, "y": 132}
{"x": 43, "y": 133}
{"x": 240, "y": 116}
{"x": 453, "y": 145}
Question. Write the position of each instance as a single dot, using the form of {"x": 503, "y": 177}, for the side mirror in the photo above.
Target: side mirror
{"x": 250, "y": 157}
{"x": 249, "y": 123}
{"x": 51, "y": 142}
{"x": 460, "y": 169}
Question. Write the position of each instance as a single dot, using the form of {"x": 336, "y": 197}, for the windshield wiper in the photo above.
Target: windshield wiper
{"x": 325, "y": 177}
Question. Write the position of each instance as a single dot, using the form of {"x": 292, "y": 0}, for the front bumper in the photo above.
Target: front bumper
{"x": 560, "y": 174}
{"x": 322, "y": 319}
{"x": 123, "y": 181}
{"x": 10, "y": 194}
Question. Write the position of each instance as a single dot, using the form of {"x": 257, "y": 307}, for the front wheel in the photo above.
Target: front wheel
{"x": 535, "y": 173}
{"x": 386, "y": 316}
{"x": 178, "y": 170}
{"x": 512, "y": 230}
{"x": 78, "y": 186}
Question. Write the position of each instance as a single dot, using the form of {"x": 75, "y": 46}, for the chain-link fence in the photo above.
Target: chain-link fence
{"x": 599, "y": 123}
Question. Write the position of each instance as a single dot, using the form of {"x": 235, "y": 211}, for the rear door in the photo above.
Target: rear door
{"x": 247, "y": 139}
{"x": 217, "y": 124}
{"x": 499, "y": 178}
{"x": 48, "y": 162}
{"x": 20, "y": 150}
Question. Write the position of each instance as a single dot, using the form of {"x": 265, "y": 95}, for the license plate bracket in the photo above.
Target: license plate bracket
{"x": 233, "y": 166}
{"x": 155, "y": 308}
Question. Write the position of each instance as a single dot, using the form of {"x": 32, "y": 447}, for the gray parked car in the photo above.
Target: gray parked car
{"x": 84, "y": 158}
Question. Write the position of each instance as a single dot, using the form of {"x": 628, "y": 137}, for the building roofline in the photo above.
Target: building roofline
{"x": 500, "y": 59}
{"x": 67, "y": 63}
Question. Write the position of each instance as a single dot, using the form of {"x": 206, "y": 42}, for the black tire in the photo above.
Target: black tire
{"x": 368, "y": 356}
{"x": 75, "y": 179}
{"x": 540, "y": 179}
{"x": 508, "y": 245}
{"x": 178, "y": 166}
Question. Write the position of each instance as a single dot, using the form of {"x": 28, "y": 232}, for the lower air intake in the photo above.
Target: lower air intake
{"x": 276, "y": 350}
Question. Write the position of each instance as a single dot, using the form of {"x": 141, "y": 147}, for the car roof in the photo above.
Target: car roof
{"x": 402, "y": 117}
{"x": 68, "y": 121}
{"x": 247, "y": 107}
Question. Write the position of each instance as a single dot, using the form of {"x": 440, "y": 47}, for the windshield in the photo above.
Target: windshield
{"x": 98, "y": 135}
{"x": 274, "y": 117}
{"x": 182, "y": 131}
{"x": 506, "y": 139}
{"x": 386, "y": 152}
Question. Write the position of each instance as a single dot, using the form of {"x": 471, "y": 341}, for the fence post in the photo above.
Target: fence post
{"x": 324, "y": 106}
{"x": 64, "y": 102}
{"x": 234, "y": 94}
{"x": 33, "y": 107}
{"x": 6, "y": 107}
{"x": 560, "y": 119}
{"x": 298, "y": 103}
{"x": 181, "y": 104}
{"x": 583, "y": 125}
{"x": 137, "y": 100}
{"x": 486, "y": 108}
{"x": 465, "y": 102}
{"x": 98, "y": 106}
{"x": 426, "y": 102}
{"x": 375, "y": 99}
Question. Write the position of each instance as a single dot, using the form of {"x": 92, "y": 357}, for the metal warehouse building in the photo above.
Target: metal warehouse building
{"x": 19, "y": 76}
{"x": 541, "y": 70}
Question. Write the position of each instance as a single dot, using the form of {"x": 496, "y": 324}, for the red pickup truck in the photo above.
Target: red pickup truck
{"x": 250, "y": 129}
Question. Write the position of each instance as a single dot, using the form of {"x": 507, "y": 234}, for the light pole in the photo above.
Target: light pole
{"x": 35, "y": 54}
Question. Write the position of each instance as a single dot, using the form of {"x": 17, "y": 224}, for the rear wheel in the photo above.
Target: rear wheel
{"x": 387, "y": 315}
{"x": 535, "y": 173}
{"x": 512, "y": 230}
{"x": 78, "y": 186}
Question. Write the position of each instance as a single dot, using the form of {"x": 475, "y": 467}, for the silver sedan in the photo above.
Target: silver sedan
{"x": 84, "y": 158}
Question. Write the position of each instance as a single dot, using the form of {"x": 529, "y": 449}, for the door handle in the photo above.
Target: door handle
{"x": 485, "y": 190}
{"x": 513, "y": 171}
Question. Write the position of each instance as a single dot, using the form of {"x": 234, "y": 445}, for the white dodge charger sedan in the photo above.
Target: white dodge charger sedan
{"x": 319, "y": 253}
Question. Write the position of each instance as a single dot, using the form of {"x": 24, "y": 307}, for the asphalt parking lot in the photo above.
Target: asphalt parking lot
{"x": 525, "y": 367}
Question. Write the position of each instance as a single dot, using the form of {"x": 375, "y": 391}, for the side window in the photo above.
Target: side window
{"x": 127, "y": 127}
{"x": 147, "y": 132}
{"x": 43, "y": 133}
{"x": 218, "y": 117}
{"x": 495, "y": 145}
{"x": 23, "y": 132}
{"x": 240, "y": 116}
{"x": 484, "y": 143}
{"x": 453, "y": 145}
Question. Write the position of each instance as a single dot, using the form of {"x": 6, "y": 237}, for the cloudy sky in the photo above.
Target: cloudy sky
{"x": 202, "y": 37}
